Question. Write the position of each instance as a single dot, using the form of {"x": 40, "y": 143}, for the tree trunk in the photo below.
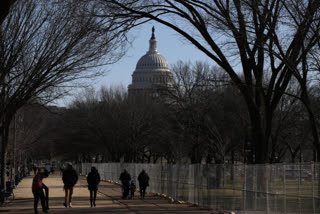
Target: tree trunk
{"x": 261, "y": 122}
{"x": 218, "y": 166}
{"x": 4, "y": 133}
{"x": 259, "y": 144}
{"x": 293, "y": 157}
{"x": 313, "y": 125}
{"x": 318, "y": 152}
{"x": 194, "y": 155}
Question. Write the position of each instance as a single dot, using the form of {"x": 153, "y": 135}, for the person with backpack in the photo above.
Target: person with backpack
{"x": 125, "y": 180}
{"x": 143, "y": 179}
{"x": 69, "y": 178}
{"x": 93, "y": 180}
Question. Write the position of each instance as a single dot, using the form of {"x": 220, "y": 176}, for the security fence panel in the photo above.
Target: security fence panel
{"x": 170, "y": 186}
{"x": 267, "y": 188}
{"x": 164, "y": 176}
{"x": 198, "y": 174}
{"x": 305, "y": 187}
{"x": 276, "y": 188}
{"x": 191, "y": 185}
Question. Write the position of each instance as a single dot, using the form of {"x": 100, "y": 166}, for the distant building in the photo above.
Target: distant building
{"x": 152, "y": 75}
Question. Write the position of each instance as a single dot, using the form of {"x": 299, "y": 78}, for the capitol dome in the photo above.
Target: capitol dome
{"x": 152, "y": 69}
{"x": 152, "y": 61}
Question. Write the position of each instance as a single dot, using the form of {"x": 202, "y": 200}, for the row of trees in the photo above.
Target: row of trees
{"x": 46, "y": 45}
{"x": 203, "y": 118}
{"x": 30, "y": 124}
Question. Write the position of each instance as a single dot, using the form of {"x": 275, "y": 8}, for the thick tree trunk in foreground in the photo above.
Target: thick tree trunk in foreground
{"x": 261, "y": 126}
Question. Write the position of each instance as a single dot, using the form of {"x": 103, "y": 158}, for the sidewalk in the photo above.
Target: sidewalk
{"x": 108, "y": 200}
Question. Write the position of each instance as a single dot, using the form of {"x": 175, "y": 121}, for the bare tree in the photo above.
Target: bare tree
{"x": 46, "y": 44}
{"x": 26, "y": 127}
{"x": 106, "y": 126}
{"x": 203, "y": 107}
{"x": 258, "y": 36}
{"x": 289, "y": 127}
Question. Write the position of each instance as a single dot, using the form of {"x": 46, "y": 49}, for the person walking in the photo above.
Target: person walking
{"x": 69, "y": 178}
{"x": 34, "y": 167}
{"x": 37, "y": 186}
{"x": 125, "y": 180}
{"x": 143, "y": 179}
{"x": 132, "y": 189}
{"x": 46, "y": 190}
{"x": 93, "y": 180}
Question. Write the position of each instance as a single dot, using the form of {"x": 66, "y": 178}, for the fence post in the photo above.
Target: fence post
{"x": 244, "y": 189}
{"x": 312, "y": 185}
{"x": 299, "y": 187}
{"x": 223, "y": 174}
{"x": 197, "y": 183}
{"x": 256, "y": 187}
{"x": 266, "y": 174}
{"x": 161, "y": 177}
{"x": 284, "y": 189}
{"x": 233, "y": 188}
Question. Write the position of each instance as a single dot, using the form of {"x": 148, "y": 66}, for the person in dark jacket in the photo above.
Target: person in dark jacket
{"x": 69, "y": 178}
{"x": 93, "y": 180}
{"x": 143, "y": 179}
{"x": 46, "y": 189}
{"x": 37, "y": 190}
{"x": 125, "y": 180}
{"x": 34, "y": 167}
{"x": 132, "y": 189}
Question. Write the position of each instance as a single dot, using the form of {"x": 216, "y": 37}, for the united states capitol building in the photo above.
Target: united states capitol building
{"x": 152, "y": 75}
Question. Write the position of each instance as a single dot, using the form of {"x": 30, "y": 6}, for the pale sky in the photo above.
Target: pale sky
{"x": 170, "y": 45}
